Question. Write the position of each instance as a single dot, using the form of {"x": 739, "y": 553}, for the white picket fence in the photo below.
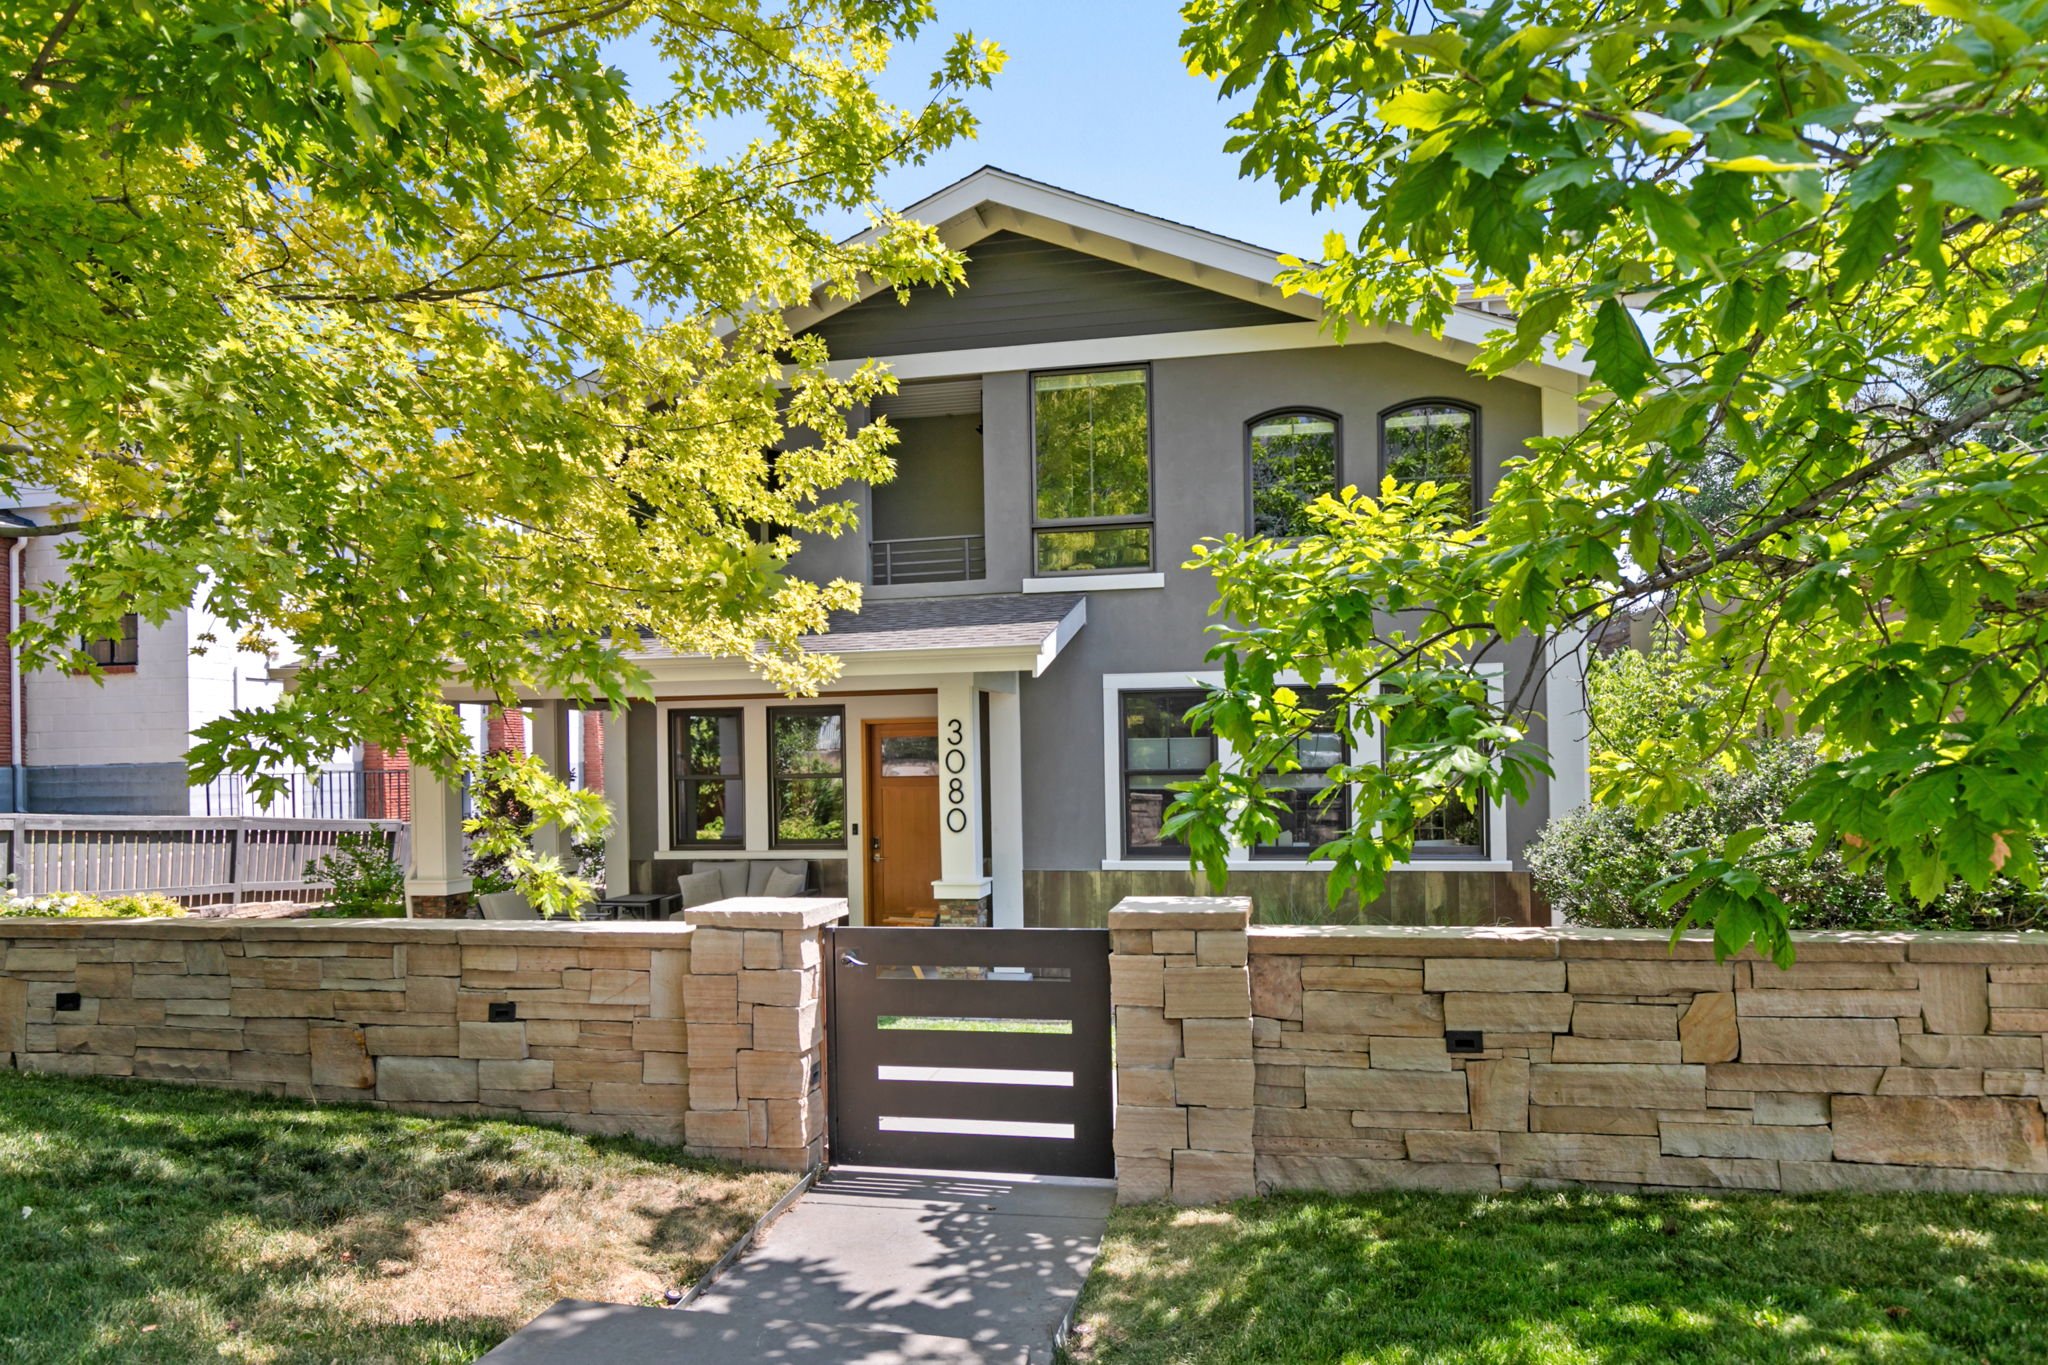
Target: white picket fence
{"x": 200, "y": 860}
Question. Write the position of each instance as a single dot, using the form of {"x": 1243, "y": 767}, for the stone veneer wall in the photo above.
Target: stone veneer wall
{"x": 707, "y": 1033}
{"x": 1878, "y": 1062}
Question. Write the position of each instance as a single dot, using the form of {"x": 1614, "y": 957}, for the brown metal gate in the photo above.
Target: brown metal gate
{"x": 971, "y": 1050}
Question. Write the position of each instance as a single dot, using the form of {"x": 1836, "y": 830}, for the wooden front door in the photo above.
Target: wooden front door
{"x": 903, "y": 818}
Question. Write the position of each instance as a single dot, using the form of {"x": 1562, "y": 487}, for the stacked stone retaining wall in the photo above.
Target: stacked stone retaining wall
{"x": 1607, "y": 1058}
{"x": 706, "y": 1033}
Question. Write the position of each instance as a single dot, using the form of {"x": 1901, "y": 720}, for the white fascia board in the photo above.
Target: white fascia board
{"x": 1132, "y": 350}
{"x": 1069, "y": 625}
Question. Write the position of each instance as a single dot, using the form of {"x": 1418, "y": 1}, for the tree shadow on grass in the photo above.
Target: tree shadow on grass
{"x": 241, "y": 1226}
{"x": 1574, "y": 1276}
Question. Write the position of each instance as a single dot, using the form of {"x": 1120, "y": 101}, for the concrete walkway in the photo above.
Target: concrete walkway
{"x": 869, "y": 1267}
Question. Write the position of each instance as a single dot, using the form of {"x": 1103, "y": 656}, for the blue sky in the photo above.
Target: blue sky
{"x": 1094, "y": 98}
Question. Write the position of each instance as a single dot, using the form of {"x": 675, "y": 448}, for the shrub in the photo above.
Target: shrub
{"x": 367, "y": 880}
{"x": 1596, "y": 866}
{"x": 75, "y": 905}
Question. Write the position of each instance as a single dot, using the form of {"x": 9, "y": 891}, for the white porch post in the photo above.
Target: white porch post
{"x": 549, "y": 728}
{"x": 1564, "y": 687}
{"x": 1005, "y": 798}
{"x": 618, "y": 788}
{"x": 962, "y": 886}
{"x": 436, "y": 877}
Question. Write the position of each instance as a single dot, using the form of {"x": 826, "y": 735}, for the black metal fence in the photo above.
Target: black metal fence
{"x": 329, "y": 794}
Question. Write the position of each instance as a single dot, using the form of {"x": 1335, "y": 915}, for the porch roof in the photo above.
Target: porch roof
{"x": 995, "y": 632}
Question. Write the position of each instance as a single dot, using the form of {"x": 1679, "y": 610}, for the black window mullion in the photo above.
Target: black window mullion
{"x": 687, "y": 779}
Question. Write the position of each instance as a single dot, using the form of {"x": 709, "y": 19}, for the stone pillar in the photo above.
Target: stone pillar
{"x": 963, "y": 887}
{"x": 1182, "y": 993}
{"x": 435, "y": 885}
{"x": 754, "y": 1008}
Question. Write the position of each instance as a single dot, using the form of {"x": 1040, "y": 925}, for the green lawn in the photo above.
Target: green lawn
{"x": 143, "y": 1222}
{"x": 1571, "y": 1277}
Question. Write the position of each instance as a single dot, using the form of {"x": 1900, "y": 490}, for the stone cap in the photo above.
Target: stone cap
{"x": 1404, "y": 940}
{"x": 1575, "y": 942}
{"x": 1181, "y": 912}
{"x": 768, "y": 912}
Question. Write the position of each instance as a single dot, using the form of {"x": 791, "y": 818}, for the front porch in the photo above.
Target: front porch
{"x": 899, "y": 788}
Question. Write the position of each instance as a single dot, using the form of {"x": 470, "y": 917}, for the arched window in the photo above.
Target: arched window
{"x": 1432, "y": 441}
{"x": 1292, "y": 459}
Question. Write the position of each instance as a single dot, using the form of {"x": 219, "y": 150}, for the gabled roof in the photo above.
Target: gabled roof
{"x": 993, "y": 200}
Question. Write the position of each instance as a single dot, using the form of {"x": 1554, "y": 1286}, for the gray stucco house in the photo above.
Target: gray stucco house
{"x": 1108, "y": 389}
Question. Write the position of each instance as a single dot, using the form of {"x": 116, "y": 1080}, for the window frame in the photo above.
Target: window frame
{"x": 680, "y": 777}
{"x": 1251, "y": 424}
{"x": 1168, "y": 851}
{"x": 130, "y": 636}
{"x": 1296, "y": 853}
{"x": 1478, "y": 495}
{"x": 1150, "y": 521}
{"x": 776, "y": 780}
{"x": 1364, "y": 748}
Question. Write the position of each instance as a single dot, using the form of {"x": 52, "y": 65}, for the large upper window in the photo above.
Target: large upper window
{"x": 809, "y": 796}
{"x": 112, "y": 651}
{"x": 708, "y": 797}
{"x": 1307, "y": 824}
{"x": 1159, "y": 747}
{"x": 1293, "y": 461}
{"x": 1432, "y": 442}
{"x": 1092, "y": 437}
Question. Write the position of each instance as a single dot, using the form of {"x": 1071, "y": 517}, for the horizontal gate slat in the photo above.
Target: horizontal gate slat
{"x": 937, "y": 1047}
{"x": 980, "y": 948}
{"x": 975, "y": 999}
{"x": 982, "y": 1152}
{"x": 966, "y": 1100}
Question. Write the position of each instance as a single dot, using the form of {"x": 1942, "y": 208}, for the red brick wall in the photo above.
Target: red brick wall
{"x": 387, "y": 783}
{"x": 505, "y": 732}
{"x": 593, "y": 750}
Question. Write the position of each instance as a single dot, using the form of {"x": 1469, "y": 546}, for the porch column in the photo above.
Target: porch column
{"x": 618, "y": 862}
{"x": 550, "y": 722}
{"x": 1564, "y": 687}
{"x": 1005, "y": 798}
{"x": 435, "y": 885}
{"x": 962, "y": 889}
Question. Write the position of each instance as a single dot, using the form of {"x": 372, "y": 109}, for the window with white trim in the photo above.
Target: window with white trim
{"x": 1158, "y": 748}
{"x": 1308, "y": 823}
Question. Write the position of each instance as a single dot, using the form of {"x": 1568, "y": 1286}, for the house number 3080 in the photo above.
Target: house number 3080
{"x": 955, "y": 760}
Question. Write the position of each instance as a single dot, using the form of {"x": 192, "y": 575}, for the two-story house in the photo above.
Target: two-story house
{"x": 1107, "y": 389}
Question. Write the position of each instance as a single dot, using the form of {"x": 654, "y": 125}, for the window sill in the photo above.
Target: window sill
{"x": 1303, "y": 865}
{"x": 1101, "y": 582}
{"x": 712, "y": 855}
